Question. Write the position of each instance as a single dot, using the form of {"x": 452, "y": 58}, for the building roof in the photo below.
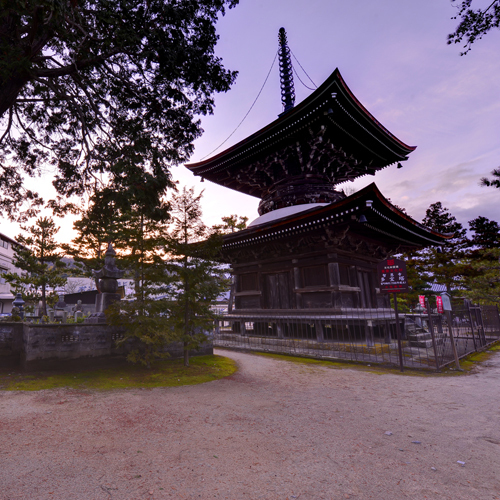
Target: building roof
{"x": 366, "y": 212}
{"x": 329, "y": 133}
{"x": 7, "y": 238}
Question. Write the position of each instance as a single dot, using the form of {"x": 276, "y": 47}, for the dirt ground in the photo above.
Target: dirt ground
{"x": 274, "y": 430}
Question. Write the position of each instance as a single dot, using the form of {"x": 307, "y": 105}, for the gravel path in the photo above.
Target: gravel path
{"x": 274, "y": 430}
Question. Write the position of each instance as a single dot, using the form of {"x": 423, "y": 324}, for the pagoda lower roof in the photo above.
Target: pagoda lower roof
{"x": 365, "y": 212}
{"x": 329, "y": 133}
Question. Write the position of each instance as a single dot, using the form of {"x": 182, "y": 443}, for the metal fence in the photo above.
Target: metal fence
{"x": 368, "y": 335}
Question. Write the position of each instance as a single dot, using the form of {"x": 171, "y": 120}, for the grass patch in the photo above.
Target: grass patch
{"x": 376, "y": 368}
{"x": 495, "y": 347}
{"x": 168, "y": 373}
{"x": 468, "y": 364}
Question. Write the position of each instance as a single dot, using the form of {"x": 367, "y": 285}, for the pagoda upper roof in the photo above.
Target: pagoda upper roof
{"x": 338, "y": 136}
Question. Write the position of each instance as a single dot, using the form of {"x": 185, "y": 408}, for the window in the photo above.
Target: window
{"x": 2, "y": 279}
{"x": 344, "y": 275}
{"x": 247, "y": 282}
{"x": 314, "y": 276}
{"x": 277, "y": 292}
{"x": 316, "y": 300}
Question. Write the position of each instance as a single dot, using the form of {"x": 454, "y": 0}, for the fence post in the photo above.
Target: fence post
{"x": 431, "y": 330}
{"x": 471, "y": 325}
{"x": 398, "y": 331}
{"x": 452, "y": 340}
{"x": 483, "y": 333}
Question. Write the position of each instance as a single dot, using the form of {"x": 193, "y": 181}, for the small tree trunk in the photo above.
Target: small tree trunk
{"x": 186, "y": 353}
{"x": 186, "y": 310}
{"x": 44, "y": 301}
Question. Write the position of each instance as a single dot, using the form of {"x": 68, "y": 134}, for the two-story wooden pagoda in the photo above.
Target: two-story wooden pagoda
{"x": 313, "y": 250}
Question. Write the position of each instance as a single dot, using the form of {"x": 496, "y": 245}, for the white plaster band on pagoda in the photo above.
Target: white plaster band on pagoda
{"x": 282, "y": 213}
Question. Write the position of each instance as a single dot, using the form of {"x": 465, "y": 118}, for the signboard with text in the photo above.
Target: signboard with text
{"x": 439, "y": 305}
{"x": 421, "y": 301}
{"x": 392, "y": 276}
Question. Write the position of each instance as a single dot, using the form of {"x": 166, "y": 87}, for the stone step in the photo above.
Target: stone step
{"x": 421, "y": 343}
{"x": 419, "y": 336}
{"x": 424, "y": 340}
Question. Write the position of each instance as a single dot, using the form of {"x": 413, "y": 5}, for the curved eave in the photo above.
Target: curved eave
{"x": 383, "y": 221}
{"x": 333, "y": 104}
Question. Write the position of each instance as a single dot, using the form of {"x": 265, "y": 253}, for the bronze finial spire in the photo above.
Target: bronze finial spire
{"x": 286, "y": 72}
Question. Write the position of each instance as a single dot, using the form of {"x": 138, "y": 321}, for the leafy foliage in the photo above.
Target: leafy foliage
{"x": 142, "y": 244}
{"x": 495, "y": 181}
{"x": 39, "y": 257}
{"x": 444, "y": 264}
{"x": 103, "y": 90}
{"x": 483, "y": 286}
{"x": 419, "y": 280}
{"x": 231, "y": 223}
{"x": 176, "y": 282}
{"x": 474, "y": 24}
{"x": 196, "y": 279}
{"x": 486, "y": 233}
{"x": 481, "y": 281}
{"x": 146, "y": 326}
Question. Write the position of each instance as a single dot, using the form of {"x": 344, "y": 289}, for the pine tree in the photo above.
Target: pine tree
{"x": 486, "y": 233}
{"x": 138, "y": 227}
{"x": 483, "y": 285}
{"x": 95, "y": 229}
{"x": 231, "y": 223}
{"x": 144, "y": 316}
{"x": 39, "y": 258}
{"x": 494, "y": 181}
{"x": 445, "y": 263}
{"x": 418, "y": 280}
{"x": 196, "y": 279}
{"x": 481, "y": 282}
{"x": 170, "y": 254}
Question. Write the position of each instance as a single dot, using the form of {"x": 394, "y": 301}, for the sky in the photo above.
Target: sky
{"x": 394, "y": 57}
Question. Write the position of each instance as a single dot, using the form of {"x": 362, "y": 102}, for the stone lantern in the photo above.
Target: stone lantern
{"x": 19, "y": 303}
{"x": 107, "y": 286}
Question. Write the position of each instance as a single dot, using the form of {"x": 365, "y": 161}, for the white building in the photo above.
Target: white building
{"x": 6, "y": 257}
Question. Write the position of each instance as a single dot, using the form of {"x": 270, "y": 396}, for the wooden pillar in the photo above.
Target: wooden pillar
{"x": 334, "y": 273}
{"x": 279, "y": 330}
{"x": 369, "y": 333}
{"x": 296, "y": 285}
{"x": 387, "y": 332}
{"x": 243, "y": 329}
{"x": 320, "y": 336}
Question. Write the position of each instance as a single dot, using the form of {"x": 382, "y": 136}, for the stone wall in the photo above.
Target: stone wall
{"x": 11, "y": 344}
{"x": 58, "y": 346}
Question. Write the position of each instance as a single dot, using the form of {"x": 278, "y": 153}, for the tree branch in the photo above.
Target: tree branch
{"x": 9, "y": 125}
{"x": 76, "y": 66}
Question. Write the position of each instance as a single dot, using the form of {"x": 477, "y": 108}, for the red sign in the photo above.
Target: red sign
{"x": 439, "y": 305}
{"x": 421, "y": 300}
{"x": 392, "y": 276}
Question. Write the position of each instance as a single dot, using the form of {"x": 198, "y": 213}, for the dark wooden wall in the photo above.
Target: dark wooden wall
{"x": 308, "y": 281}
